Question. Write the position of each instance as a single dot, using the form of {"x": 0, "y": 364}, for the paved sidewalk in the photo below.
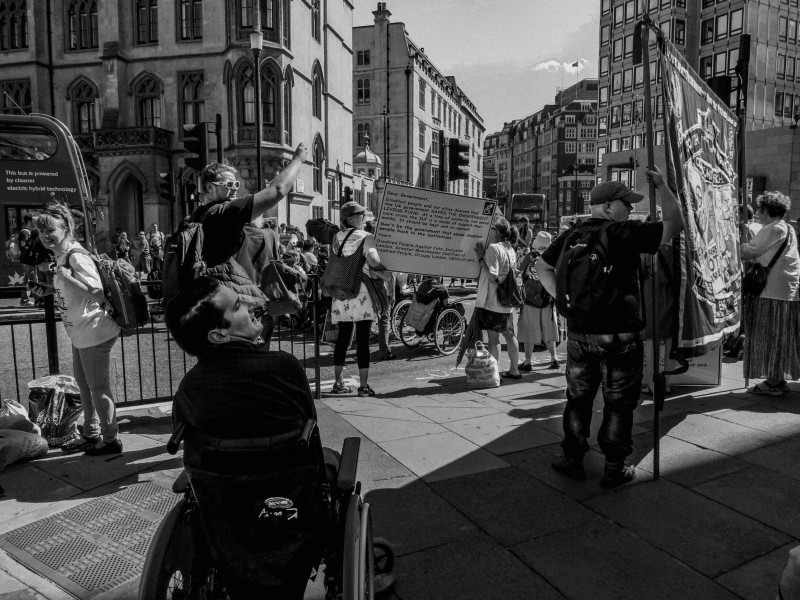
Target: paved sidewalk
{"x": 460, "y": 483}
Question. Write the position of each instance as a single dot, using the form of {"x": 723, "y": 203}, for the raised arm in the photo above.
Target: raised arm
{"x": 672, "y": 216}
{"x": 281, "y": 185}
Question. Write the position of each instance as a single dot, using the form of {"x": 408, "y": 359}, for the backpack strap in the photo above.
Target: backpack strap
{"x": 344, "y": 241}
{"x": 78, "y": 250}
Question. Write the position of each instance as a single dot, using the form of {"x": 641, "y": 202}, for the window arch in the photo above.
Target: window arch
{"x": 83, "y": 96}
{"x": 315, "y": 20}
{"x": 318, "y": 158}
{"x": 146, "y": 21}
{"x": 13, "y": 93}
{"x": 318, "y": 86}
{"x": 288, "y": 84}
{"x": 269, "y": 96}
{"x": 192, "y": 97}
{"x": 81, "y": 23}
{"x": 13, "y": 25}
{"x": 247, "y": 96}
{"x": 147, "y": 92}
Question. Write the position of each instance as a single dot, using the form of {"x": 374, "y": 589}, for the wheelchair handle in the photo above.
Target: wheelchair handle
{"x": 307, "y": 432}
{"x": 176, "y": 438}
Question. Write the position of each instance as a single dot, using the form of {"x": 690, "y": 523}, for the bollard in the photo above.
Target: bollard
{"x": 51, "y": 335}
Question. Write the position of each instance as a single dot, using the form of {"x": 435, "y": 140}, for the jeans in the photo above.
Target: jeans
{"x": 92, "y": 373}
{"x": 617, "y": 364}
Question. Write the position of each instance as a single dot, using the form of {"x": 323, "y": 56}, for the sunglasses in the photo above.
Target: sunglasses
{"x": 231, "y": 185}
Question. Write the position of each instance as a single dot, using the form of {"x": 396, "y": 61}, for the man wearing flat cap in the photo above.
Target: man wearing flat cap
{"x": 604, "y": 341}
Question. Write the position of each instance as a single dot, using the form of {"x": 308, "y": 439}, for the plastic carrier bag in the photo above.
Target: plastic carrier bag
{"x": 481, "y": 369}
{"x": 57, "y": 403}
{"x": 14, "y": 416}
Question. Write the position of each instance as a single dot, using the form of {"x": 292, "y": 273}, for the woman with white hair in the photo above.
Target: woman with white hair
{"x": 537, "y": 319}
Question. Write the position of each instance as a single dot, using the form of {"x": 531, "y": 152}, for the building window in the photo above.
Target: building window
{"x": 421, "y": 94}
{"x": 792, "y": 33}
{"x": 421, "y": 142}
{"x": 616, "y": 83}
{"x": 363, "y": 131}
{"x": 782, "y": 26}
{"x": 720, "y": 63}
{"x": 434, "y": 178}
{"x": 707, "y": 32}
{"x": 780, "y": 66}
{"x": 148, "y": 101}
{"x": 722, "y": 27}
{"x": 246, "y": 14}
{"x": 789, "y": 68}
{"x": 733, "y": 58}
{"x": 604, "y": 35}
{"x": 778, "y": 104}
{"x": 318, "y": 156}
{"x": 680, "y": 3}
{"x": 268, "y": 14}
{"x": 706, "y": 63}
{"x": 82, "y": 24}
{"x": 570, "y": 147}
{"x": 602, "y": 126}
{"x": 191, "y": 20}
{"x": 708, "y": 3}
{"x": 604, "y": 65}
{"x": 630, "y": 11}
{"x": 736, "y": 22}
{"x": 614, "y": 146}
{"x": 618, "y": 49}
{"x": 615, "y": 116}
{"x": 666, "y": 27}
{"x": 192, "y": 98}
{"x": 315, "y": 18}
{"x": 247, "y": 96}
{"x": 605, "y": 7}
{"x": 619, "y": 15}
{"x": 638, "y": 112}
{"x": 83, "y": 97}
{"x": 626, "y": 113}
{"x": 679, "y": 35}
{"x": 317, "y": 93}
{"x": 146, "y": 21}
{"x": 638, "y": 76}
{"x": 628, "y": 45}
{"x": 362, "y": 91}
{"x": 15, "y": 93}
{"x": 627, "y": 80}
{"x": 435, "y": 143}
{"x": 625, "y": 143}
{"x": 570, "y": 133}
{"x": 603, "y": 96}
{"x": 13, "y": 25}
{"x": 269, "y": 96}
{"x": 288, "y": 82}
{"x": 286, "y": 25}
{"x": 362, "y": 58}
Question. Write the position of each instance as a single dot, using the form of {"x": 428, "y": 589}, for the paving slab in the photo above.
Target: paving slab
{"x": 683, "y": 462}
{"x": 441, "y": 456}
{"x": 27, "y": 488}
{"x": 469, "y": 570}
{"x": 692, "y": 402}
{"x": 764, "y": 418}
{"x": 758, "y": 579}
{"x": 553, "y": 421}
{"x": 602, "y": 561}
{"x": 501, "y": 434}
{"x": 789, "y": 402}
{"x": 512, "y": 506}
{"x": 697, "y": 531}
{"x": 761, "y": 494}
{"x": 783, "y": 457}
{"x": 449, "y": 414}
{"x": 382, "y": 430}
{"x": 717, "y": 434}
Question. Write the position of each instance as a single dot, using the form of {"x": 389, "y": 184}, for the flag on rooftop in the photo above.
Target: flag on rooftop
{"x": 576, "y": 63}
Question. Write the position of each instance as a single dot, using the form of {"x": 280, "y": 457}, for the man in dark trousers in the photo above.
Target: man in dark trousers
{"x": 604, "y": 340}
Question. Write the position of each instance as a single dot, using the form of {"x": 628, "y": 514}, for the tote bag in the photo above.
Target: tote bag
{"x": 341, "y": 279}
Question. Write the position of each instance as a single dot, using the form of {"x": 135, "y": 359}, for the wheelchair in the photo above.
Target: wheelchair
{"x": 445, "y": 326}
{"x": 259, "y": 517}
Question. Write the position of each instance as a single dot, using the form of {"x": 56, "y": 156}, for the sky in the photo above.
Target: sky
{"x": 508, "y": 56}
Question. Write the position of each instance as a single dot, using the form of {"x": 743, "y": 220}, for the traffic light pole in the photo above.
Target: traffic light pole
{"x": 442, "y": 161}
{"x": 218, "y": 133}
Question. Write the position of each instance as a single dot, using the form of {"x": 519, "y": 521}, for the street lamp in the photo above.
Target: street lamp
{"x": 576, "y": 206}
{"x": 385, "y": 114}
{"x": 256, "y": 43}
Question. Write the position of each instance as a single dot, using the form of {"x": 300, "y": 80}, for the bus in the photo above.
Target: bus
{"x": 39, "y": 162}
{"x": 528, "y": 205}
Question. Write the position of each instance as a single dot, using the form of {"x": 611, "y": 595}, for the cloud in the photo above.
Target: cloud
{"x": 576, "y": 66}
{"x": 551, "y": 66}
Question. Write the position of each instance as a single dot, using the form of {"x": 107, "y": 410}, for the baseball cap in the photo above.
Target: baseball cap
{"x": 542, "y": 240}
{"x": 349, "y": 209}
{"x": 608, "y": 191}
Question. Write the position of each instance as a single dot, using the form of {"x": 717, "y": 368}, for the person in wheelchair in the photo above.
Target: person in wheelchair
{"x": 237, "y": 393}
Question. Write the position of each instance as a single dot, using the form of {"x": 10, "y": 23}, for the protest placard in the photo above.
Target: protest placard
{"x": 431, "y": 232}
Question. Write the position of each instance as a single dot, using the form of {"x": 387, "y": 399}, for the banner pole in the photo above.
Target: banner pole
{"x": 658, "y": 378}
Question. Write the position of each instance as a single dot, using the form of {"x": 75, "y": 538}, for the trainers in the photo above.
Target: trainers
{"x": 553, "y": 364}
{"x": 114, "y": 447}
{"x": 80, "y": 445}
{"x": 527, "y": 367}
{"x": 365, "y": 391}
{"x": 615, "y": 477}
{"x": 571, "y": 467}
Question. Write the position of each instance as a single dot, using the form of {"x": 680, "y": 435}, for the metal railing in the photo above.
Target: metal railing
{"x": 146, "y": 364}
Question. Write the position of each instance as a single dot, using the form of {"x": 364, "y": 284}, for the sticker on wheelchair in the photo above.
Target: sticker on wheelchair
{"x": 278, "y": 509}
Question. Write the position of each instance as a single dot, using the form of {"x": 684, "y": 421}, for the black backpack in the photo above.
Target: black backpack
{"x": 535, "y": 294}
{"x": 321, "y": 230}
{"x": 584, "y": 285}
{"x": 183, "y": 258}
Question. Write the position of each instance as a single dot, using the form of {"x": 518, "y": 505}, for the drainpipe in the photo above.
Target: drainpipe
{"x": 386, "y": 170}
{"x": 409, "y": 94}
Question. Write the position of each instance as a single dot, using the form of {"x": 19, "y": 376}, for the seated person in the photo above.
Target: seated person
{"x": 238, "y": 390}
{"x": 432, "y": 289}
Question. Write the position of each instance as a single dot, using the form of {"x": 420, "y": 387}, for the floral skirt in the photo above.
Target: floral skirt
{"x": 356, "y": 309}
{"x": 772, "y": 339}
{"x": 489, "y": 320}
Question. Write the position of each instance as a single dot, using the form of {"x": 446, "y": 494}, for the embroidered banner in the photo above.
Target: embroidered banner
{"x": 700, "y": 144}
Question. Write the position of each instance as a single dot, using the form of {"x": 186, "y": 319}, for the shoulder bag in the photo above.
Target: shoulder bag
{"x": 755, "y": 280}
{"x": 511, "y": 292}
{"x": 341, "y": 279}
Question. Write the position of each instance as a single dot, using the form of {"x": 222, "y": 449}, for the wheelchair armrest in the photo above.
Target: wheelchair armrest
{"x": 307, "y": 432}
{"x": 175, "y": 439}
{"x": 348, "y": 465}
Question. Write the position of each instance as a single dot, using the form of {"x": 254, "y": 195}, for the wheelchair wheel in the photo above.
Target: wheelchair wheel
{"x": 449, "y": 331}
{"x": 398, "y": 312}
{"x": 408, "y": 335}
{"x": 174, "y": 568}
{"x": 358, "y": 574}
{"x": 383, "y": 555}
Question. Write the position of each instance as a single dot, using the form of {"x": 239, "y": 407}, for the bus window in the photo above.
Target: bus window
{"x": 27, "y": 142}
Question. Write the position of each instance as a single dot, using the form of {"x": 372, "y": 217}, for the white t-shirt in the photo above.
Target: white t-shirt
{"x": 86, "y": 323}
{"x": 497, "y": 263}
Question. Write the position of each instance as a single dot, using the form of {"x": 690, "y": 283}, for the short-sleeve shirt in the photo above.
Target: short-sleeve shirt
{"x": 223, "y": 222}
{"x": 626, "y": 241}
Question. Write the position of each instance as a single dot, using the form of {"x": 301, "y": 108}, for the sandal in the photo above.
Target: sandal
{"x": 340, "y": 388}
{"x": 366, "y": 391}
{"x": 765, "y": 389}
{"x": 509, "y": 375}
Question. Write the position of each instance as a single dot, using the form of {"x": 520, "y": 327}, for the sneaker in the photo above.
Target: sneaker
{"x": 553, "y": 364}
{"x": 365, "y": 391}
{"x": 82, "y": 444}
{"x": 527, "y": 367}
{"x": 114, "y": 447}
{"x": 388, "y": 355}
{"x": 615, "y": 477}
{"x": 765, "y": 389}
{"x": 571, "y": 467}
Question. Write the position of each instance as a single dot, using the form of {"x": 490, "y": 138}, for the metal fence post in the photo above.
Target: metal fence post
{"x": 51, "y": 335}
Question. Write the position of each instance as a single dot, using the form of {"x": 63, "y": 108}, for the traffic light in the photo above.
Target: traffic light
{"x": 721, "y": 86}
{"x": 166, "y": 187}
{"x": 195, "y": 140}
{"x": 348, "y": 193}
{"x": 458, "y": 159}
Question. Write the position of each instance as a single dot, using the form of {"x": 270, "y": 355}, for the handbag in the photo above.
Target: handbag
{"x": 341, "y": 279}
{"x": 481, "y": 368}
{"x": 285, "y": 289}
{"x": 511, "y": 292}
{"x": 755, "y": 280}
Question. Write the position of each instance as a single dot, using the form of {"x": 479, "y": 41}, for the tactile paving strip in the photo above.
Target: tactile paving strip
{"x": 96, "y": 546}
